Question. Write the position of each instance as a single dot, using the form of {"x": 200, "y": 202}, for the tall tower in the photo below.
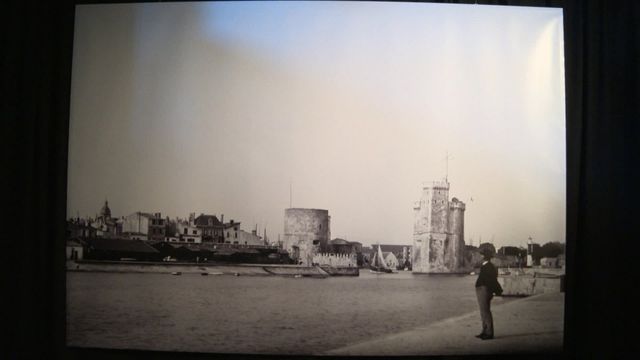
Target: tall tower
{"x": 430, "y": 228}
{"x": 306, "y": 233}
{"x": 438, "y": 231}
{"x": 455, "y": 249}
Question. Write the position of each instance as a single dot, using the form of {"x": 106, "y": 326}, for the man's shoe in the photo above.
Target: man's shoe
{"x": 480, "y": 336}
{"x": 486, "y": 337}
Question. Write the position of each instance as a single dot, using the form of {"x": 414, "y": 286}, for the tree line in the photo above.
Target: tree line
{"x": 550, "y": 249}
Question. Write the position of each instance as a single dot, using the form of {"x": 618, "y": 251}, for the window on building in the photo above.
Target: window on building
{"x": 227, "y": 234}
{"x": 236, "y": 235}
{"x": 195, "y": 232}
{"x": 186, "y": 231}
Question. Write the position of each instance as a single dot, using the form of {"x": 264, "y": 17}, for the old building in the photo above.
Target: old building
{"x": 341, "y": 246}
{"x": 212, "y": 229}
{"x": 549, "y": 262}
{"x": 230, "y": 232}
{"x": 105, "y": 225}
{"x": 438, "y": 232}
{"x": 188, "y": 232}
{"x": 144, "y": 226}
{"x": 247, "y": 238}
{"x": 157, "y": 227}
{"x": 79, "y": 229}
{"x": 74, "y": 250}
{"x": 306, "y": 233}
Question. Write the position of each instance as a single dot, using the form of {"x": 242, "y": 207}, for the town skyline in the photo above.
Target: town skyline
{"x": 223, "y": 109}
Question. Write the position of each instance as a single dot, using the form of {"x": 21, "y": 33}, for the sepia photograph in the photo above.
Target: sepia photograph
{"x": 334, "y": 178}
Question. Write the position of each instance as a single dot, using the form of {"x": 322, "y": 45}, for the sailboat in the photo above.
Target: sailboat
{"x": 378, "y": 265}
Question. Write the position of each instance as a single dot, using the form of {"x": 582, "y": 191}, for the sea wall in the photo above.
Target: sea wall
{"x": 336, "y": 260}
{"x": 203, "y": 268}
{"x": 526, "y": 284}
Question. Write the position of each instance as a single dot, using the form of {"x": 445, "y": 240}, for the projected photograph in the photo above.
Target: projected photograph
{"x": 316, "y": 178}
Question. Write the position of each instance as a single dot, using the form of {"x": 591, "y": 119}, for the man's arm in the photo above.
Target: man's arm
{"x": 497, "y": 289}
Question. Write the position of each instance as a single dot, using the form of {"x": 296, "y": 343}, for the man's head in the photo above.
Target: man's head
{"x": 486, "y": 253}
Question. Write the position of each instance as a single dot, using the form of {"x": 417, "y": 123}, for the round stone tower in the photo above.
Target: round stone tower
{"x": 306, "y": 232}
{"x": 455, "y": 248}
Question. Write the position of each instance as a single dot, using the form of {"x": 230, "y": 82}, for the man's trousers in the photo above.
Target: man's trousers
{"x": 484, "y": 301}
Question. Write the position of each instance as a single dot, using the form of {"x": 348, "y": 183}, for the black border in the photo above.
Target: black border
{"x": 602, "y": 43}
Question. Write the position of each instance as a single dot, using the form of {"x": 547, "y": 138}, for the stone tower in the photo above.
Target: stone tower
{"x": 306, "y": 233}
{"x": 438, "y": 231}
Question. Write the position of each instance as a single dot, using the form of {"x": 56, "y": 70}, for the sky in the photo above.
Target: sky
{"x": 243, "y": 108}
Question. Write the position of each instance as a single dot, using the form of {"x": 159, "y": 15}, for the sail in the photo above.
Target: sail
{"x": 383, "y": 263}
{"x": 374, "y": 260}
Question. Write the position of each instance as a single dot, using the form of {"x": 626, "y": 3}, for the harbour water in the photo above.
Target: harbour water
{"x": 264, "y": 315}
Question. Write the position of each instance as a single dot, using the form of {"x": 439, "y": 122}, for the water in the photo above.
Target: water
{"x": 268, "y": 315}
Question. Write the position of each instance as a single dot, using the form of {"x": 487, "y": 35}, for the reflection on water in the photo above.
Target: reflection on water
{"x": 227, "y": 314}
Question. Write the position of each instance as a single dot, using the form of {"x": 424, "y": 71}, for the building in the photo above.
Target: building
{"x": 78, "y": 229}
{"x": 144, "y": 226}
{"x": 438, "y": 232}
{"x": 341, "y": 246}
{"x": 136, "y": 226}
{"x": 533, "y": 251}
{"x": 306, "y": 233}
{"x": 157, "y": 228}
{"x": 242, "y": 237}
{"x": 105, "y": 225}
{"x": 211, "y": 228}
{"x": 340, "y": 253}
{"x": 74, "y": 250}
{"x": 549, "y": 262}
{"x": 188, "y": 232}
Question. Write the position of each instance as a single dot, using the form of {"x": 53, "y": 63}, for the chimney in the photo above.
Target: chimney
{"x": 222, "y": 218}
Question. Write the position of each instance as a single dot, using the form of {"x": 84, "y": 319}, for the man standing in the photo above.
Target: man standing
{"x": 487, "y": 285}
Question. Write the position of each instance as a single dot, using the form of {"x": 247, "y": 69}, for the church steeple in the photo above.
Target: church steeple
{"x": 105, "y": 212}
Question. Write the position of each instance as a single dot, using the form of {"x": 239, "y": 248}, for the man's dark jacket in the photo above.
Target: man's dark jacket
{"x": 489, "y": 277}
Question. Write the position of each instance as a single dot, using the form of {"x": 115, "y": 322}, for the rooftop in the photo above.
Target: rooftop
{"x": 203, "y": 220}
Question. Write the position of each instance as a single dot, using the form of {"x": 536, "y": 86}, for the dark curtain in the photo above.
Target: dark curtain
{"x": 602, "y": 41}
